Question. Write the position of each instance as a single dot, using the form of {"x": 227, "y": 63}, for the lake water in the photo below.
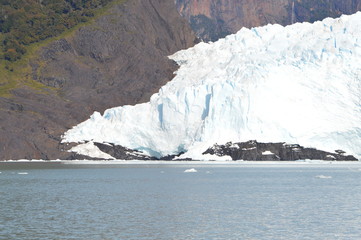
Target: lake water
{"x": 160, "y": 201}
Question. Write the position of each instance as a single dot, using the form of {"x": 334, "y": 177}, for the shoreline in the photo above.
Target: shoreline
{"x": 190, "y": 162}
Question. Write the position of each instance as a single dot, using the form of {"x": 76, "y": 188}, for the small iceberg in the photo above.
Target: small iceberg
{"x": 191, "y": 170}
{"x": 23, "y": 173}
{"x": 323, "y": 177}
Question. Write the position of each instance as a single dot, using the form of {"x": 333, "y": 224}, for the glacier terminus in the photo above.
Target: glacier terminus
{"x": 297, "y": 84}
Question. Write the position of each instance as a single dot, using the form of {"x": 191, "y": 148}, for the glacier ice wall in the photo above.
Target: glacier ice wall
{"x": 297, "y": 84}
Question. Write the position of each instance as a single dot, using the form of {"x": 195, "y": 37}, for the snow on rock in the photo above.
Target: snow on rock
{"x": 298, "y": 84}
{"x": 89, "y": 149}
{"x": 267, "y": 153}
{"x": 331, "y": 157}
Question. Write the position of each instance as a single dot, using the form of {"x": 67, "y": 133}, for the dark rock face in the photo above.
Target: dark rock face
{"x": 120, "y": 152}
{"x": 31, "y": 125}
{"x": 119, "y": 59}
{"x": 214, "y": 19}
{"x": 255, "y": 151}
{"x": 123, "y": 153}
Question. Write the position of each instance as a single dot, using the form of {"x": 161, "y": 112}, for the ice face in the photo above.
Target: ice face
{"x": 297, "y": 84}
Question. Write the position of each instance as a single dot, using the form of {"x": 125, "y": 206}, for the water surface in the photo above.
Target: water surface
{"x": 159, "y": 201}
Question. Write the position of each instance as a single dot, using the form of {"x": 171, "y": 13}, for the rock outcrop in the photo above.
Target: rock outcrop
{"x": 257, "y": 151}
{"x": 124, "y": 153}
{"x": 120, "y": 152}
{"x": 214, "y": 19}
{"x": 118, "y": 59}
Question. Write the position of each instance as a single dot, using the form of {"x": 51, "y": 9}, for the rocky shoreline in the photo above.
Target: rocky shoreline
{"x": 257, "y": 151}
{"x": 247, "y": 151}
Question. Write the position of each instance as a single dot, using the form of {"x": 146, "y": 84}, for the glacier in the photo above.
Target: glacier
{"x": 296, "y": 84}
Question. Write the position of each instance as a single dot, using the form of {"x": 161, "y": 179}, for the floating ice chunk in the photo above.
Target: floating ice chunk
{"x": 323, "y": 177}
{"x": 191, "y": 170}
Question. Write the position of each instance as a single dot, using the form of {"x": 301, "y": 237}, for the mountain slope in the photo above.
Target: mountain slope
{"x": 297, "y": 84}
{"x": 119, "y": 58}
{"x": 23, "y": 22}
{"x": 214, "y": 19}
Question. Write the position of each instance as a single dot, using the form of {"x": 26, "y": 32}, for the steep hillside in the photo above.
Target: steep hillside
{"x": 213, "y": 19}
{"x": 23, "y": 22}
{"x": 119, "y": 58}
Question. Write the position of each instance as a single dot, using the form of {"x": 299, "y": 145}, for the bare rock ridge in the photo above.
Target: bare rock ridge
{"x": 119, "y": 59}
{"x": 253, "y": 150}
{"x": 214, "y": 19}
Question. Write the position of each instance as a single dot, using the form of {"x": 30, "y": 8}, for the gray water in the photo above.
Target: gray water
{"x": 57, "y": 201}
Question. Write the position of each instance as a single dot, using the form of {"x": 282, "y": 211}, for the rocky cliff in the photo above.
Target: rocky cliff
{"x": 213, "y": 19}
{"x": 120, "y": 58}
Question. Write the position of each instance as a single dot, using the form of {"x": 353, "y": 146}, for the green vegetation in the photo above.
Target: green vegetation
{"x": 23, "y": 22}
{"x": 27, "y": 25}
